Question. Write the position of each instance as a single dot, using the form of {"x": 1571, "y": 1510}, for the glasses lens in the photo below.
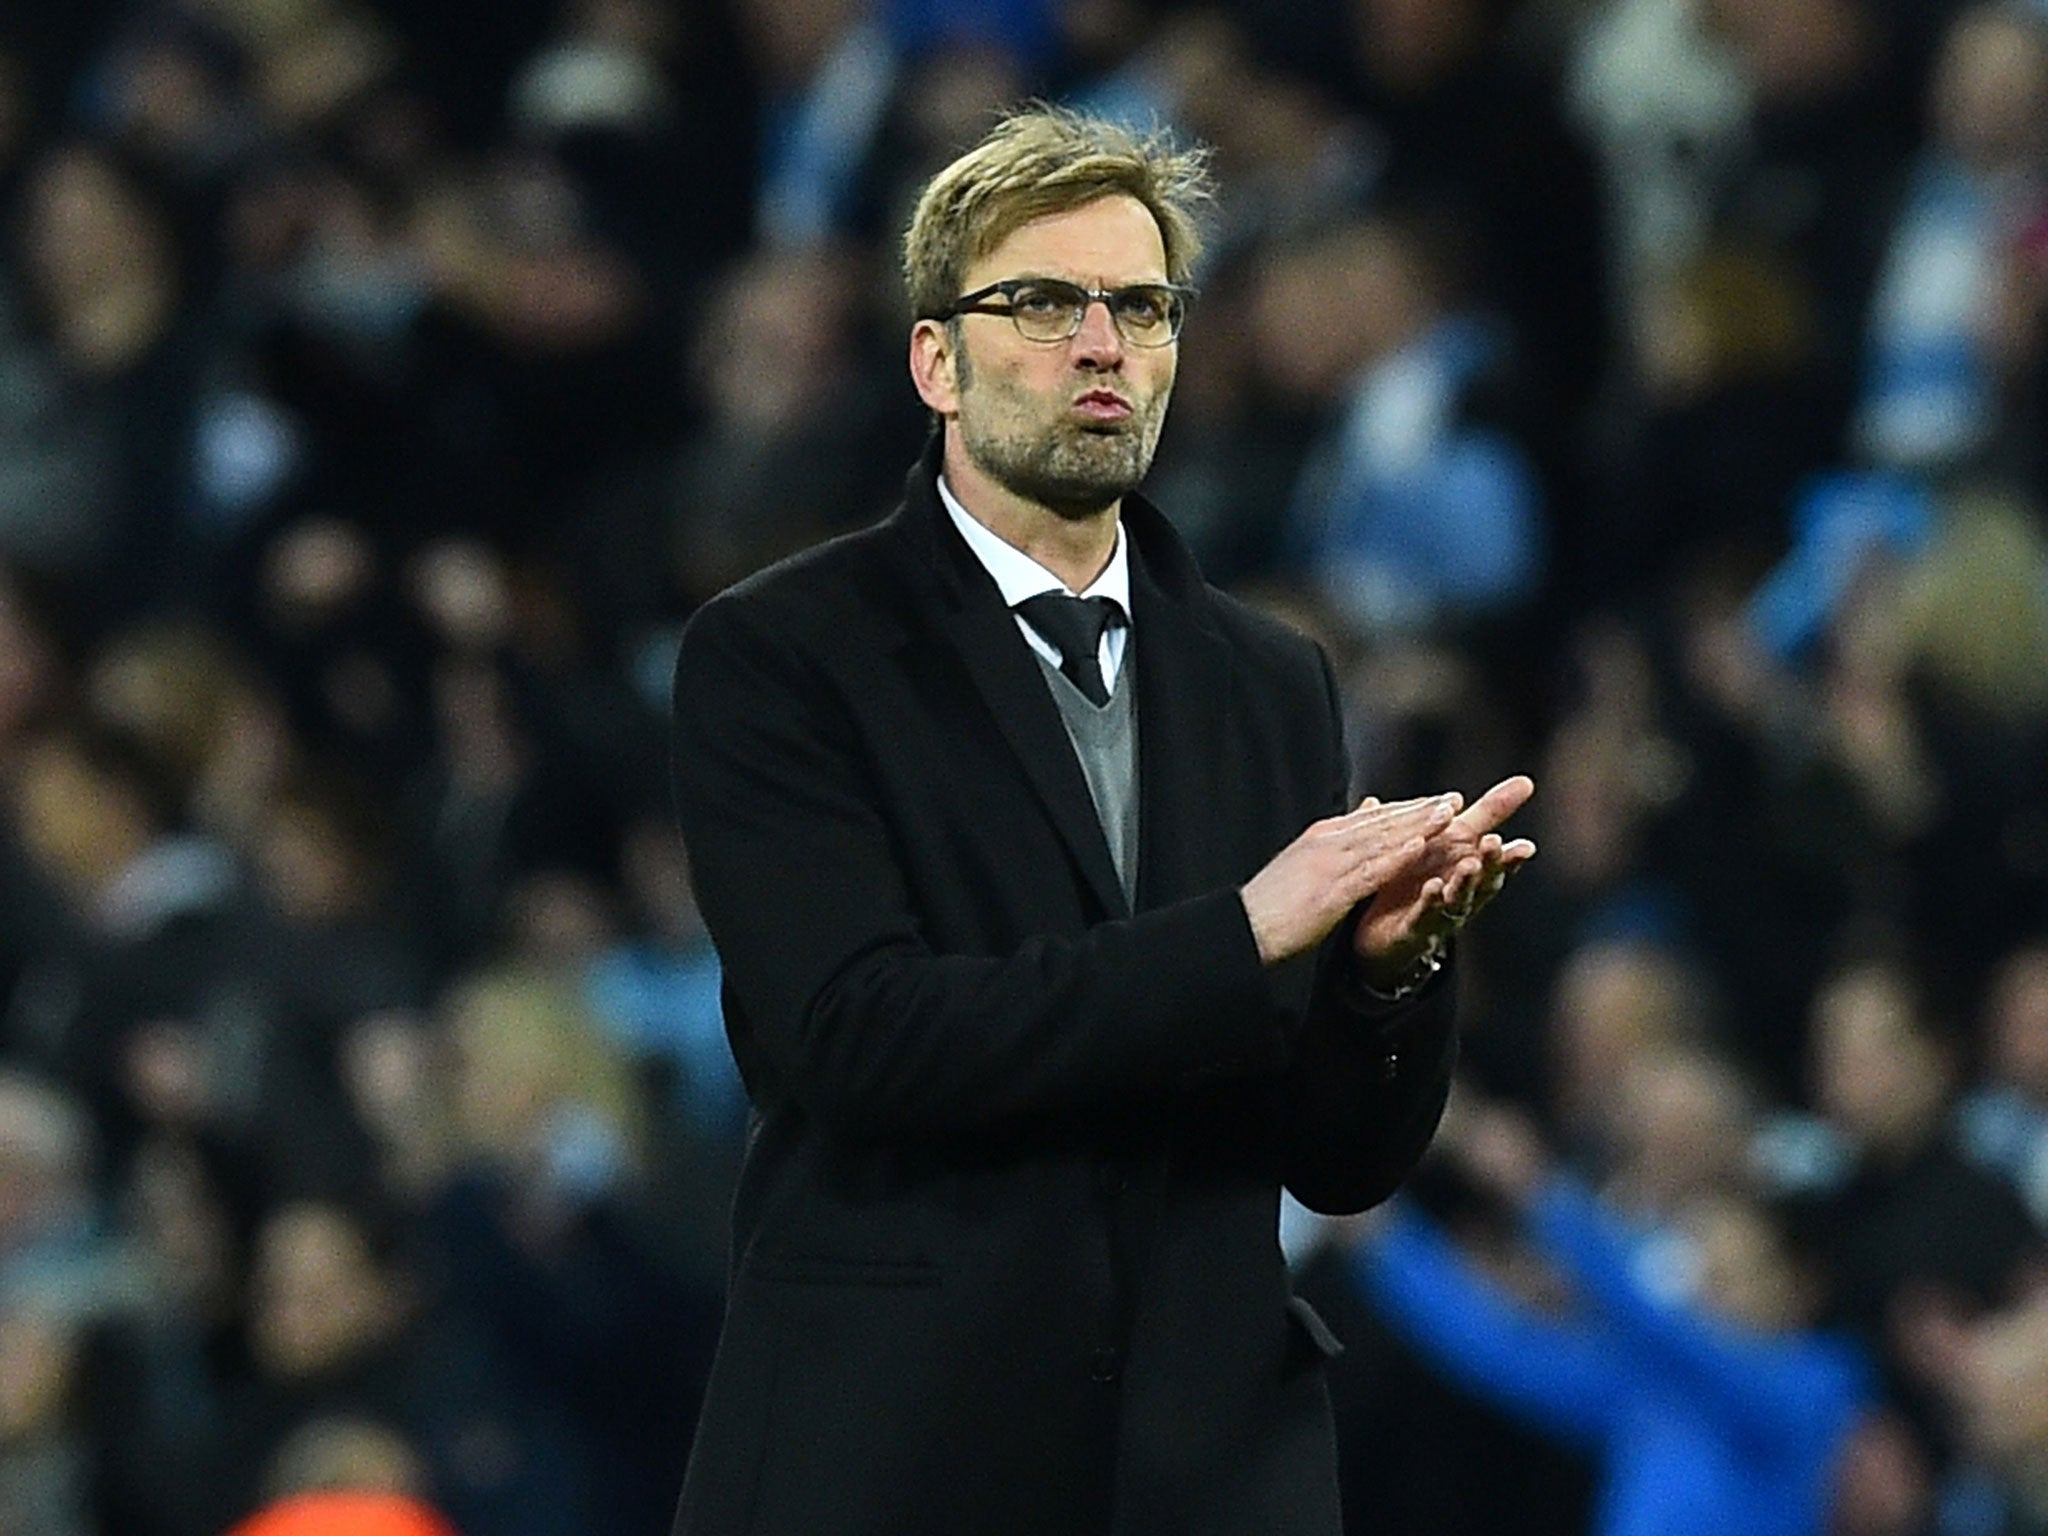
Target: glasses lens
{"x": 1048, "y": 311}
{"x": 1148, "y": 316}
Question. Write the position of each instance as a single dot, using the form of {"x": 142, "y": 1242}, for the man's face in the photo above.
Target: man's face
{"x": 1877, "y": 1072}
{"x": 318, "y": 1298}
{"x": 1070, "y": 425}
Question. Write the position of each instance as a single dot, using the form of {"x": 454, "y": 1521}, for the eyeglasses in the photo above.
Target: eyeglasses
{"x": 1049, "y": 309}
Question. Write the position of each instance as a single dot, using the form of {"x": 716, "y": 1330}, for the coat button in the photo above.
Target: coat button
{"x": 1103, "y": 1364}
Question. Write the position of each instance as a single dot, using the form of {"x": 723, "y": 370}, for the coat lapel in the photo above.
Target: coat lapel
{"x": 1183, "y": 705}
{"x": 983, "y": 632}
{"x": 1014, "y": 689}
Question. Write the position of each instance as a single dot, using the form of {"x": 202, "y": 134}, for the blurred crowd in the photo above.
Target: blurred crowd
{"x": 1647, "y": 394}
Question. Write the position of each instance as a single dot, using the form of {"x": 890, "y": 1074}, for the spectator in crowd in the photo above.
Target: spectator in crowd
{"x": 1667, "y": 107}
{"x": 1711, "y": 1403}
{"x": 1414, "y": 512}
{"x": 1986, "y": 1369}
{"x": 1617, "y": 1004}
{"x": 61, "y": 1272}
{"x": 382, "y": 385}
{"x": 131, "y": 997}
{"x": 1973, "y": 630}
{"x": 337, "y": 1328}
{"x": 543, "y": 1230}
{"x": 119, "y": 347}
{"x": 157, "y": 1377}
{"x": 1954, "y": 322}
{"x": 780, "y": 460}
{"x": 2002, "y": 1120}
{"x": 1815, "y": 185}
{"x": 1901, "y": 1218}
{"x": 1474, "y": 135}
{"x": 1683, "y": 1123}
{"x": 827, "y": 69}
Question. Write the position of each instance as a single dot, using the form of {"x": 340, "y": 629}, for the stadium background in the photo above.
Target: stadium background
{"x": 1646, "y": 394}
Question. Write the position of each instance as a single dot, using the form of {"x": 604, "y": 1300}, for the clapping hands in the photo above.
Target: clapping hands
{"x": 1415, "y": 871}
{"x": 1460, "y": 868}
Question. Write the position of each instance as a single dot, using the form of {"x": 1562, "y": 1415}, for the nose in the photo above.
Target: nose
{"x": 1098, "y": 343}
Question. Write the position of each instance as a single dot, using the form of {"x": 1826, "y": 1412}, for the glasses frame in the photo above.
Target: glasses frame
{"x": 975, "y": 303}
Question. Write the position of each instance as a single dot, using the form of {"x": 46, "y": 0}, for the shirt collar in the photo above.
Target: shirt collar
{"x": 1018, "y": 576}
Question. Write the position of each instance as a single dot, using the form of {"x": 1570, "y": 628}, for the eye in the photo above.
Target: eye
{"x": 1147, "y": 307}
{"x": 1042, "y": 301}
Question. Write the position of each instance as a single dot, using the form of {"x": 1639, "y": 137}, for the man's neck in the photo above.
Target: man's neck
{"x": 1077, "y": 550}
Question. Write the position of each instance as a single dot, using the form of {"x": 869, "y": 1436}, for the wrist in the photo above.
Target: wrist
{"x": 1395, "y": 980}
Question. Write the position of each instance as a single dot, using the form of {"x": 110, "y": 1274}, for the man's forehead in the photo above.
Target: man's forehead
{"x": 1113, "y": 238}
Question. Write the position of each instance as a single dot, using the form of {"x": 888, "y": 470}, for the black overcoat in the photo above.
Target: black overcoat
{"x": 1004, "y": 1255}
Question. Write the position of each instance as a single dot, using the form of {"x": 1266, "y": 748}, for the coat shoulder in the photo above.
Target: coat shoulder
{"x": 830, "y": 592}
{"x": 1268, "y": 644}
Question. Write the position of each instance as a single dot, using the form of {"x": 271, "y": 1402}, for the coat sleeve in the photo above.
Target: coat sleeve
{"x": 839, "y": 993}
{"x": 1367, "y": 1082}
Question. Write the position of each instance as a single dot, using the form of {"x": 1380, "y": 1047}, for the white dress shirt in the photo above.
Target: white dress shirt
{"x": 1018, "y": 576}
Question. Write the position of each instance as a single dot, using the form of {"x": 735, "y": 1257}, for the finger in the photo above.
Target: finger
{"x": 1496, "y": 876}
{"x": 1508, "y": 855}
{"x": 1372, "y": 809}
{"x": 1482, "y": 897}
{"x": 1427, "y": 920}
{"x": 1424, "y": 817}
{"x": 1366, "y": 813}
{"x": 1457, "y": 840}
{"x": 1463, "y": 881}
{"x": 1494, "y": 852}
{"x": 1497, "y": 804}
{"x": 1414, "y": 915}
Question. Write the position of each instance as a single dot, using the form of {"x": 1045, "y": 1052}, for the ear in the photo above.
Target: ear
{"x": 934, "y": 367}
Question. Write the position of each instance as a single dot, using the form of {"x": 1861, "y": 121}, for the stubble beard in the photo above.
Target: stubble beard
{"x": 1073, "y": 471}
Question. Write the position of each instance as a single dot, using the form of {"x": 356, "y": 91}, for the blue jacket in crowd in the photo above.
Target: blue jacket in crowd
{"x": 1698, "y": 1425}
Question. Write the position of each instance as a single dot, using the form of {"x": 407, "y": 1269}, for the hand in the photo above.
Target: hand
{"x": 1308, "y": 887}
{"x": 1429, "y": 898}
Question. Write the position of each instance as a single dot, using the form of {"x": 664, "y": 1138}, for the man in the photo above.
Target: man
{"x": 1039, "y": 986}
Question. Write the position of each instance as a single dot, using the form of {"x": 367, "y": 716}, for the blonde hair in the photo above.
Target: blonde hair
{"x": 1976, "y": 606}
{"x": 1044, "y": 160}
{"x": 530, "y": 1032}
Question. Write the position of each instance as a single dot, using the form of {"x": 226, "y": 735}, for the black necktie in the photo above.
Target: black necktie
{"x": 1074, "y": 626}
